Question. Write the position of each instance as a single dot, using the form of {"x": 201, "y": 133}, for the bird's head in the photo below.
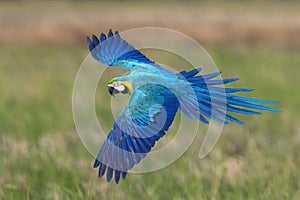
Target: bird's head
{"x": 116, "y": 86}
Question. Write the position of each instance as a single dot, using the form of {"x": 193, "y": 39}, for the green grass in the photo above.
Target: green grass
{"x": 43, "y": 158}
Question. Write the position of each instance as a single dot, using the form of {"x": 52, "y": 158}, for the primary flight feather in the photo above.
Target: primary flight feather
{"x": 156, "y": 95}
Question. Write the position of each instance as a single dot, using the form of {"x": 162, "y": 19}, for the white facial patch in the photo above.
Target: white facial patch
{"x": 118, "y": 86}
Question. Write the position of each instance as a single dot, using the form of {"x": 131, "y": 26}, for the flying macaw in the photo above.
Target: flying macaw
{"x": 156, "y": 95}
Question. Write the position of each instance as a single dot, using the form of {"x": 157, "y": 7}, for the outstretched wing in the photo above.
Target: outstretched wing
{"x": 150, "y": 112}
{"x": 112, "y": 50}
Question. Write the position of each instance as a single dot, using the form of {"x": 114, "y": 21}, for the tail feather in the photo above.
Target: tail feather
{"x": 230, "y": 90}
{"x": 208, "y": 100}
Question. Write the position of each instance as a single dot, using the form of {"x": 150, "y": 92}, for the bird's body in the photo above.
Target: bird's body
{"x": 156, "y": 95}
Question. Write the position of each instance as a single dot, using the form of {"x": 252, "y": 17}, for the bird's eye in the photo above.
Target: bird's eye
{"x": 125, "y": 91}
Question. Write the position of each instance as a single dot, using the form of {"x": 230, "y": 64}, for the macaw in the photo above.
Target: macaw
{"x": 156, "y": 95}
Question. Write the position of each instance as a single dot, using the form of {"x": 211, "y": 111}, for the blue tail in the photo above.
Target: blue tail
{"x": 210, "y": 101}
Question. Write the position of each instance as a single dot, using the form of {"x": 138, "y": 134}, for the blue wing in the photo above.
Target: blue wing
{"x": 115, "y": 51}
{"x": 150, "y": 112}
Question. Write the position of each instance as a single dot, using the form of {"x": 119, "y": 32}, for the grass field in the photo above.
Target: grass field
{"x": 41, "y": 156}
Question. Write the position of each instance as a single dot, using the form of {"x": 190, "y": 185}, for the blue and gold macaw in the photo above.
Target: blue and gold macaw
{"x": 156, "y": 95}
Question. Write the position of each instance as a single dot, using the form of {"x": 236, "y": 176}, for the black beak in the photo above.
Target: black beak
{"x": 112, "y": 91}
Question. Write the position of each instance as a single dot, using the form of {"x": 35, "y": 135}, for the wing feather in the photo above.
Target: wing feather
{"x": 112, "y": 50}
{"x": 134, "y": 133}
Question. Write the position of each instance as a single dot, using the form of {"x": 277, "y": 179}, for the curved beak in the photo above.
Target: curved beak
{"x": 112, "y": 91}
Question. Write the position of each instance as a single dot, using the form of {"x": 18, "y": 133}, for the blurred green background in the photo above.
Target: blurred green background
{"x": 42, "y": 45}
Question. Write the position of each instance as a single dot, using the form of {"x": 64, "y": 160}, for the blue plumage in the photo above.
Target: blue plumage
{"x": 212, "y": 101}
{"x": 133, "y": 135}
{"x": 113, "y": 50}
{"x": 156, "y": 95}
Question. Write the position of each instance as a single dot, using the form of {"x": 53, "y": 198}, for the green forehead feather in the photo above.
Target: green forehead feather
{"x": 112, "y": 80}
